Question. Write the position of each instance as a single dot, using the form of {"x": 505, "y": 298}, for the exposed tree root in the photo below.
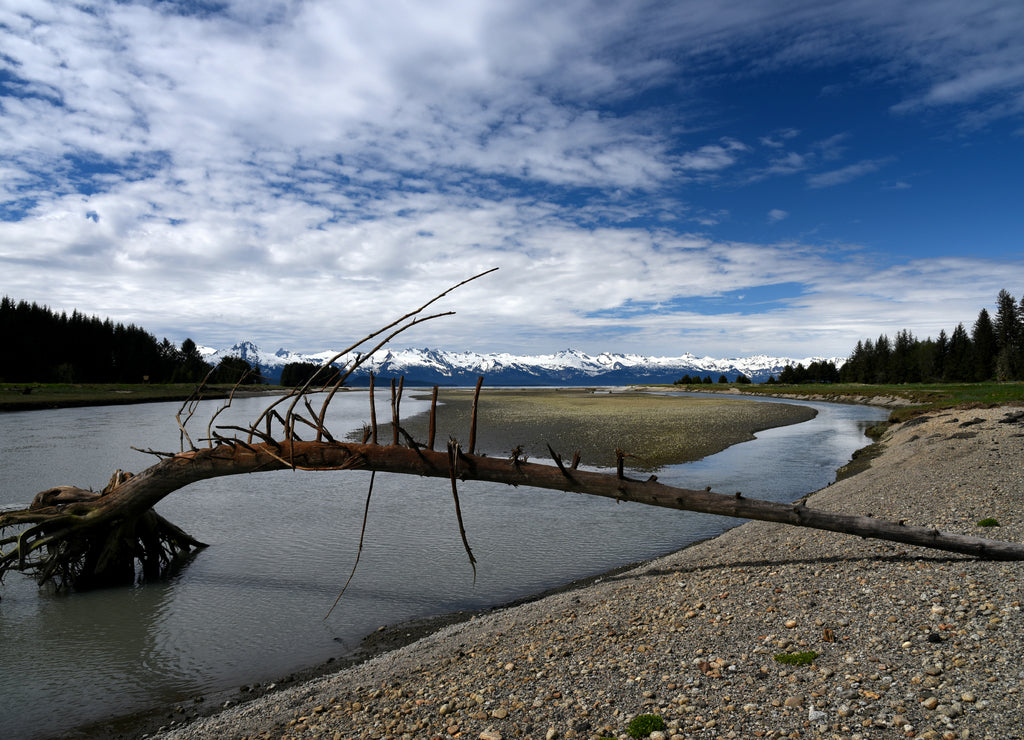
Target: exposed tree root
{"x": 94, "y": 541}
{"x": 81, "y": 539}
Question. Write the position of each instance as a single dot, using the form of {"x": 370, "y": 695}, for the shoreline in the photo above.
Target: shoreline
{"x": 120, "y": 397}
{"x": 381, "y": 642}
{"x": 886, "y": 402}
{"x": 507, "y": 417}
{"x": 910, "y": 642}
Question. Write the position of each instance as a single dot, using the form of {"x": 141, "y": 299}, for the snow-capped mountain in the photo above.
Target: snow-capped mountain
{"x": 567, "y": 367}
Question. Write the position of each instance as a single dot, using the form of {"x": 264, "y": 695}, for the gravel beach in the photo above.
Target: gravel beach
{"x": 909, "y": 642}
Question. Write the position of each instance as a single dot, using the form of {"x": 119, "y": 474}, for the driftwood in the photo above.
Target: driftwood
{"x": 80, "y": 539}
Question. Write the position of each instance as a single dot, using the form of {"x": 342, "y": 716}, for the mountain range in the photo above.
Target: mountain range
{"x": 565, "y": 368}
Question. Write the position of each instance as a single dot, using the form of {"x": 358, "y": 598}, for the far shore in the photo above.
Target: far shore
{"x": 38, "y": 397}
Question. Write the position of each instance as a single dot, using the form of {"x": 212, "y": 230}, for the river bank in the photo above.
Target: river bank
{"x": 38, "y": 397}
{"x": 909, "y": 642}
{"x": 163, "y": 649}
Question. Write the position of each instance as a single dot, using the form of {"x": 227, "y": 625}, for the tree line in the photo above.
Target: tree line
{"x": 706, "y": 380}
{"x": 41, "y": 346}
{"x": 993, "y": 349}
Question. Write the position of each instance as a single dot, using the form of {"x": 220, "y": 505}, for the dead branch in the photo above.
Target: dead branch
{"x": 79, "y": 538}
{"x": 58, "y": 530}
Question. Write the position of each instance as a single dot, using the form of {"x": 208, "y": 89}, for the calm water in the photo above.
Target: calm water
{"x": 251, "y": 607}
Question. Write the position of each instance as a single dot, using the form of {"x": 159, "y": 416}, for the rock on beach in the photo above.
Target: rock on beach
{"x": 906, "y": 642}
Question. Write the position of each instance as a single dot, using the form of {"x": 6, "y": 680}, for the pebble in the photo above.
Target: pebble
{"x": 910, "y": 642}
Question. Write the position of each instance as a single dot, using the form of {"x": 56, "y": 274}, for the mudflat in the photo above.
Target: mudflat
{"x": 653, "y": 429}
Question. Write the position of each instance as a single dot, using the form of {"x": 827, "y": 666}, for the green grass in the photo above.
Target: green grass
{"x": 923, "y": 397}
{"x": 796, "y": 658}
{"x": 988, "y": 523}
{"x": 13, "y": 396}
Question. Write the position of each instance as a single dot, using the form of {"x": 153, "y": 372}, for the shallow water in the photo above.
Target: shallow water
{"x": 251, "y": 607}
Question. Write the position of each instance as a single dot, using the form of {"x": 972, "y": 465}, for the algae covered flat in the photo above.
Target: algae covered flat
{"x": 654, "y": 429}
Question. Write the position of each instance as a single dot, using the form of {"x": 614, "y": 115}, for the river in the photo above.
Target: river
{"x": 251, "y": 607}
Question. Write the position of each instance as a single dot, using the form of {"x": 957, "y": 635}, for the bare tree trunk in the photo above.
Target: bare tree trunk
{"x": 56, "y": 528}
{"x": 171, "y": 474}
{"x": 81, "y": 539}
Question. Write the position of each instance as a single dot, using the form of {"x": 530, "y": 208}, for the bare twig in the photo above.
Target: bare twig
{"x": 226, "y": 404}
{"x": 558, "y": 461}
{"x": 191, "y": 404}
{"x": 403, "y": 323}
{"x": 453, "y": 463}
{"x": 396, "y": 400}
{"x": 359, "y": 552}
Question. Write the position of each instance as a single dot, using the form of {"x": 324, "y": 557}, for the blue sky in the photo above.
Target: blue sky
{"x": 722, "y": 178}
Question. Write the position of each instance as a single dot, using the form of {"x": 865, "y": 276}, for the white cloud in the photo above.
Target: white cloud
{"x": 778, "y": 139}
{"x": 845, "y": 174}
{"x": 777, "y": 214}
{"x": 300, "y": 172}
{"x": 713, "y": 157}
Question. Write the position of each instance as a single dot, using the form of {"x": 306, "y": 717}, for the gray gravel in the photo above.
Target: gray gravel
{"x": 910, "y": 642}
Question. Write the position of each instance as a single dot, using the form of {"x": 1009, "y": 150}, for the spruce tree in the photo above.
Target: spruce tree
{"x": 985, "y": 347}
{"x": 960, "y": 365}
{"x": 902, "y": 368}
{"x": 883, "y": 358}
{"x": 1008, "y": 335}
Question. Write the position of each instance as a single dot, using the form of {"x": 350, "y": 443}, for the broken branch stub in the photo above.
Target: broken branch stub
{"x": 138, "y": 494}
{"x": 80, "y": 539}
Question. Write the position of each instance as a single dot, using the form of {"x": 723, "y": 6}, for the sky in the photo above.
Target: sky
{"x": 723, "y": 177}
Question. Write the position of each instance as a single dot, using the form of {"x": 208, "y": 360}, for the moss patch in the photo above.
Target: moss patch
{"x": 644, "y": 724}
{"x": 805, "y": 658}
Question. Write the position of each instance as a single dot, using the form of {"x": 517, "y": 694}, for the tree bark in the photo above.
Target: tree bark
{"x": 78, "y": 538}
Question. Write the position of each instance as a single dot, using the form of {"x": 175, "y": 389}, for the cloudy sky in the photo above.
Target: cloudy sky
{"x": 722, "y": 177}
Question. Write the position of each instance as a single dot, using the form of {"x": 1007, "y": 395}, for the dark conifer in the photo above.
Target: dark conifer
{"x": 983, "y": 335}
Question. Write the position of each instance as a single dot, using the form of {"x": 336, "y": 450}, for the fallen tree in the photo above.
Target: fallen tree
{"x": 80, "y": 539}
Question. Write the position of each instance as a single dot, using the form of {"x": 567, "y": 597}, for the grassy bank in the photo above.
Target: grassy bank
{"x": 909, "y": 399}
{"x": 31, "y": 396}
{"x": 654, "y": 429}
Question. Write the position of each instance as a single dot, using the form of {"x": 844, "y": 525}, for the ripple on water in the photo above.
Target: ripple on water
{"x": 251, "y": 607}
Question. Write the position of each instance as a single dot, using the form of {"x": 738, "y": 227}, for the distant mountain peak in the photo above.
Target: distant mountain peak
{"x": 568, "y": 367}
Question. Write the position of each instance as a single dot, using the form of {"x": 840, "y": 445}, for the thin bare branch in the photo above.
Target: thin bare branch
{"x": 453, "y": 462}
{"x": 359, "y": 552}
{"x": 401, "y": 328}
{"x": 558, "y": 461}
{"x": 191, "y": 405}
{"x": 226, "y": 404}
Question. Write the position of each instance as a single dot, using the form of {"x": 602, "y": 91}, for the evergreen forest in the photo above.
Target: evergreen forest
{"x": 41, "y": 346}
{"x": 993, "y": 349}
